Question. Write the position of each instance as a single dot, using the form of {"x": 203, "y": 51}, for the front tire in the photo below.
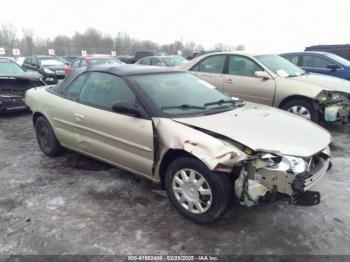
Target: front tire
{"x": 303, "y": 108}
{"x": 196, "y": 192}
{"x": 46, "y": 138}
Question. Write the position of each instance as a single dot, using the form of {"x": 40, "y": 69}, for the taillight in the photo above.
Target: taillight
{"x": 68, "y": 69}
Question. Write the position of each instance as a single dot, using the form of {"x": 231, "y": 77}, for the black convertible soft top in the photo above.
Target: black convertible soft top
{"x": 120, "y": 70}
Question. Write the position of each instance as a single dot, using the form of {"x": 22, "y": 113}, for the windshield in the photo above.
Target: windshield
{"x": 174, "y": 60}
{"x": 339, "y": 59}
{"x": 10, "y": 68}
{"x": 279, "y": 65}
{"x": 108, "y": 61}
{"x": 183, "y": 93}
{"x": 51, "y": 61}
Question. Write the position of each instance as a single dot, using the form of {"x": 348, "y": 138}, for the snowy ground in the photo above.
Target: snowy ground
{"x": 76, "y": 205}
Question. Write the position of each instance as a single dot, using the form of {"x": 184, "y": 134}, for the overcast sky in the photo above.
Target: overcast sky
{"x": 260, "y": 25}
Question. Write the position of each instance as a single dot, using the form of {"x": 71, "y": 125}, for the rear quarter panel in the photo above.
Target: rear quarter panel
{"x": 53, "y": 107}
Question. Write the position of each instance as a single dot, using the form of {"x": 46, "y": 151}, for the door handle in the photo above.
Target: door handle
{"x": 78, "y": 117}
{"x": 229, "y": 81}
{"x": 206, "y": 75}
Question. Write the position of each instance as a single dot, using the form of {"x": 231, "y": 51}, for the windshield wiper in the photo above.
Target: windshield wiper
{"x": 222, "y": 101}
{"x": 184, "y": 106}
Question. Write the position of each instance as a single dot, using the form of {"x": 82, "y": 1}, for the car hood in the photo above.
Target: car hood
{"x": 264, "y": 128}
{"x": 56, "y": 67}
{"x": 324, "y": 81}
{"x": 24, "y": 75}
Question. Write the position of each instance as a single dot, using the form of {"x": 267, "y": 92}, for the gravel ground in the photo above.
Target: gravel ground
{"x": 76, "y": 205}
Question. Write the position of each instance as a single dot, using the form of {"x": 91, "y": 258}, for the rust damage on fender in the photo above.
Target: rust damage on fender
{"x": 222, "y": 167}
{"x": 191, "y": 143}
{"x": 215, "y": 153}
{"x": 232, "y": 155}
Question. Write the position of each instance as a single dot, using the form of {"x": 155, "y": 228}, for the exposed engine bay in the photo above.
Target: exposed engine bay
{"x": 271, "y": 174}
{"x": 335, "y": 106}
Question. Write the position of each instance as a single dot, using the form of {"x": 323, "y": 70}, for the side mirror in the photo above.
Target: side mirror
{"x": 333, "y": 67}
{"x": 126, "y": 107}
{"x": 262, "y": 74}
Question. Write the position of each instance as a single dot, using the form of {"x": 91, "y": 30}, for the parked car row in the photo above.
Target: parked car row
{"x": 264, "y": 79}
{"x": 205, "y": 130}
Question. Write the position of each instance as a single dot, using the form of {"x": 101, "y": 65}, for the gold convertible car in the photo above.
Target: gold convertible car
{"x": 200, "y": 145}
{"x": 274, "y": 81}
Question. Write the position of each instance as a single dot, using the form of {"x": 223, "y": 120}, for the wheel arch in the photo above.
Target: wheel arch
{"x": 170, "y": 156}
{"x": 295, "y": 97}
{"x": 36, "y": 115}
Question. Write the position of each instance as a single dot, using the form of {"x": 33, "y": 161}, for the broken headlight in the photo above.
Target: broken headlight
{"x": 296, "y": 165}
{"x": 48, "y": 71}
{"x": 331, "y": 97}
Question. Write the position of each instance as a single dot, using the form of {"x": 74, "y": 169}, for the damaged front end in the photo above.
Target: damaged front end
{"x": 266, "y": 174}
{"x": 334, "y": 105}
{"x": 258, "y": 176}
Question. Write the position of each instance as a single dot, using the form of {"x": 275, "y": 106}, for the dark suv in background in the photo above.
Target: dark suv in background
{"x": 14, "y": 82}
{"x": 50, "y": 67}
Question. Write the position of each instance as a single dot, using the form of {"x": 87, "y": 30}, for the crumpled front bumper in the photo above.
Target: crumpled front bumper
{"x": 304, "y": 182}
{"x": 338, "y": 112}
{"x": 254, "y": 182}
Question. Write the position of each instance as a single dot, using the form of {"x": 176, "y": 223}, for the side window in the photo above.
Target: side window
{"x": 211, "y": 64}
{"x": 83, "y": 63}
{"x": 28, "y": 61}
{"x": 34, "y": 61}
{"x": 103, "y": 90}
{"x": 145, "y": 61}
{"x": 72, "y": 91}
{"x": 315, "y": 61}
{"x": 156, "y": 61}
{"x": 292, "y": 58}
{"x": 76, "y": 63}
{"x": 243, "y": 66}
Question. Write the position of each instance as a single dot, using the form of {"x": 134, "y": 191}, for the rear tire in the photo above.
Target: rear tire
{"x": 197, "y": 193}
{"x": 303, "y": 108}
{"x": 46, "y": 138}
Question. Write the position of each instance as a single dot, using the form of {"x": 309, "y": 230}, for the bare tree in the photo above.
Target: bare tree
{"x": 28, "y": 41}
{"x": 240, "y": 47}
{"x": 8, "y": 37}
{"x": 93, "y": 41}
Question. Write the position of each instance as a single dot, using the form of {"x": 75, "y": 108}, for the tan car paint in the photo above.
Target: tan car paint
{"x": 219, "y": 142}
{"x": 216, "y": 80}
{"x": 308, "y": 85}
{"x": 246, "y": 89}
{"x": 84, "y": 129}
{"x": 252, "y": 123}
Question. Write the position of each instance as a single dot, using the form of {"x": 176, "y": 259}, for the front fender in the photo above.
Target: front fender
{"x": 216, "y": 154}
